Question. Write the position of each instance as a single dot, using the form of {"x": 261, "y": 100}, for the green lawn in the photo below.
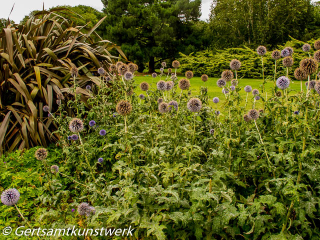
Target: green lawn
{"x": 215, "y": 91}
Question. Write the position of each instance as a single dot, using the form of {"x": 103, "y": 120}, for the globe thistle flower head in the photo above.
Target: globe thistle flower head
{"x": 54, "y": 169}
{"x": 163, "y": 107}
{"x": 144, "y": 86}
{"x": 101, "y": 71}
{"x": 100, "y": 160}
{"x": 225, "y": 91}
{"x": 194, "y": 105}
{"x": 124, "y": 108}
{"x": 204, "y": 78}
{"x": 164, "y": 64}
{"x": 141, "y": 96}
{"x": 74, "y": 72}
{"x": 283, "y": 82}
{"x": 227, "y": 75}
{"x": 246, "y": 118}
{"x": 118, "y": 64}
{"x": 253, "y": 114}
{"x": 317, "y": 87}
{"x": 257, "y": 97}
{"x": 306, "y": 47}
{"x": 235, "y": 64}
{"x": 276, "y": 54}
{"x": 309, "y": 65}
{"x": 41, "y": 153}
{"x": 296, "y": 112}
{"x": 161, "y": 70}
{"x": 102, "y": 132}
{"x": 217, "y": 113}
{"x": 128, "y": 75}
{"x": 255, "y": 91}
{"x": 232, "y": 88}
{"x": 69, "y": 138}
{"x": 285, "y": 53}
{"x": 91, "y": 211}
{"x": 46, "y": 108}
{"x": 113, "y": 68}
{"x": 160, "y": 100}
{"x": 136, "y": 67}
{"x": 234, "y": 82}
{"x": 299, "y": 74}
{"x": 169, "y": 70}
{"x": 317, "y": 44}
{"x": 10, "y": 197}
{"x": 174, "y": 77}
{"x": 169, "y": 85}
{"x": 215, "y": 100}
{"x": 247, "y": 88}
{"x": 175, "y": 64}
{"x": 221, "y": 83}
{"x": 174, "y": 104}
{"x": 131, "y": 67}
{"x": 122, "y": 69}
{"x": 312, "y": 84}
{"x": 76, "y": 125}
{"x": 316, "y": 56}
{"x": 278, "y": 94}
{"x": 261, "y": 50}
{"x": 184, "y": 84}
{"x": 154, "y": 75}
{"x": 83, "y": 209}
{"x": 290, "y": 49}
{"x": 287, "y": 61}
{"x": 92, "y": 123}
{"x": 88, "y": 87}
{"x": 74, "y": 137}
{"x": 114, "y": 114}
{"x": 211, "y": 131}
{"x": 161, "y": 85}
{"x": 189, "y": 74}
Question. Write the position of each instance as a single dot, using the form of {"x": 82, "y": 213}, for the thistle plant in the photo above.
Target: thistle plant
{"x": 261, "y": 50}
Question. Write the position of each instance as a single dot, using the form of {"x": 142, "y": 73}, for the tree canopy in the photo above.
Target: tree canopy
{"x": 147, "y": 29}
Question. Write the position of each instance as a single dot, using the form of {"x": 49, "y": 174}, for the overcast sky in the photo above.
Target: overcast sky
{"x": 24, "y": 7}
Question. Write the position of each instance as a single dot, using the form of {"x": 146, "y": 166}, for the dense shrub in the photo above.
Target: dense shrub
{"x": 213, "y": 63}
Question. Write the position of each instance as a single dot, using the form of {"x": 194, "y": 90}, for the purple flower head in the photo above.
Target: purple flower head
{"x": 74, "y": 137}
{"x": 216, "y": 100}
{"x": 102, "y": 132}
{"x": 88, "y": 87}
{"x": 232, "y": 88}
{"x": 72, "y": 210}
{"x": 283, "y": 82}
{"x": 114, "y": 115}
{"x": 217, "y": 113}
{"x": 100, "y": 160}
{"x": 285, "y": 53}
{"x": 296, "y": 112}
{"x": 257, "y": 97}
{"x": 69, "y": 137}
{"x": 92, "y": 123}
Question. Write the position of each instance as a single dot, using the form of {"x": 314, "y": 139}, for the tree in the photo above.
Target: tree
{"x": 254, "y": 22}
{"x": 4, "y": 22}
{"x": 146, "y": 29}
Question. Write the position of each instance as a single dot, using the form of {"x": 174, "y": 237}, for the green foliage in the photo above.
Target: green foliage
{"x": 213, "y": 63}
{"x": 256, "y": 22}
{"x": 36, "y": 59}
{"x": 149, "y": 29}
{"x": 167, "y": 177}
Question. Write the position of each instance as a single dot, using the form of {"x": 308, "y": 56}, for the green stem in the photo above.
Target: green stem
{"x": 194, "y": 131}
{"x": 85, "y": 157}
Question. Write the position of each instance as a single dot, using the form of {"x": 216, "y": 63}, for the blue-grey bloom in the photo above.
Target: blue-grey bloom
{"x": 296, "y": 112}
{"x": 257, "y": 97}
{"x": 154, "y": 75}
{"x": 225, "y": 91}
{"x": 215, "y": 100}
{"x": 46, "y": 108}
{"x": 103, "y": 132}
{"x": 69, "y": 137}
{"x": 232, "y": 88}
{"x": 92, "y": 123}
{"x": 285, "y": 53}
{"x": 100, "y": 160}
{"x": 83, "y": 209}
{"x": 283, "y": 82}
{"x": 88, "y": 87}
{"x": 74, "y": 137}
{"x": 211, "y": 131}
{"x": 247, "y": 88}
{"x": 10, "y": 197}
{"x": 217, "y": 113}
{"x": 141, "y": 96}
{"x": 114, "y": 114}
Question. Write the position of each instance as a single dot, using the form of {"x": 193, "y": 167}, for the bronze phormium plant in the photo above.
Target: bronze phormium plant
{"x": 35, "y": 61}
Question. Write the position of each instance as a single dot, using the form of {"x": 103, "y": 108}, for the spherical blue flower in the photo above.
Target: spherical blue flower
{"x": 74, "y": 137}
{"x": 100, "y": 160}
{"x": 92, "y": 123}
{"x": 215, "y": 100}
{"x": 88, "y": 87}
{"x": 10, "y": 197}
{"x": 232, "y": 88}
{"x": 225, "y": 91}
{"x": 283, "y": 82}
{"x": 69, "y": 137}
{"x": 247, "y": 88}
{"x": 217, "y": 113}
{"x": 257, "y": 98}
{"x": 102, "y": 132}
{"x": 296, "y": 112}
{"x": 285, "y": 53}
{"x": 114, "y": 115}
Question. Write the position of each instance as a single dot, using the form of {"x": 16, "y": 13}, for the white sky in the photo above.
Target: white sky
{"x": 24, "y": 7}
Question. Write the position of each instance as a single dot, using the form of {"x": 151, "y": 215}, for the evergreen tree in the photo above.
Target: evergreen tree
{"x": 149, "y": 29}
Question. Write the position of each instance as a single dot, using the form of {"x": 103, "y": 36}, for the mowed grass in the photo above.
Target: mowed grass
{"x": 215, "y": 91}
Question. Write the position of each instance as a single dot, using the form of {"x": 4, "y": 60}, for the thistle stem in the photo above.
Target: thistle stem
{"x": 194, "y": 131}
